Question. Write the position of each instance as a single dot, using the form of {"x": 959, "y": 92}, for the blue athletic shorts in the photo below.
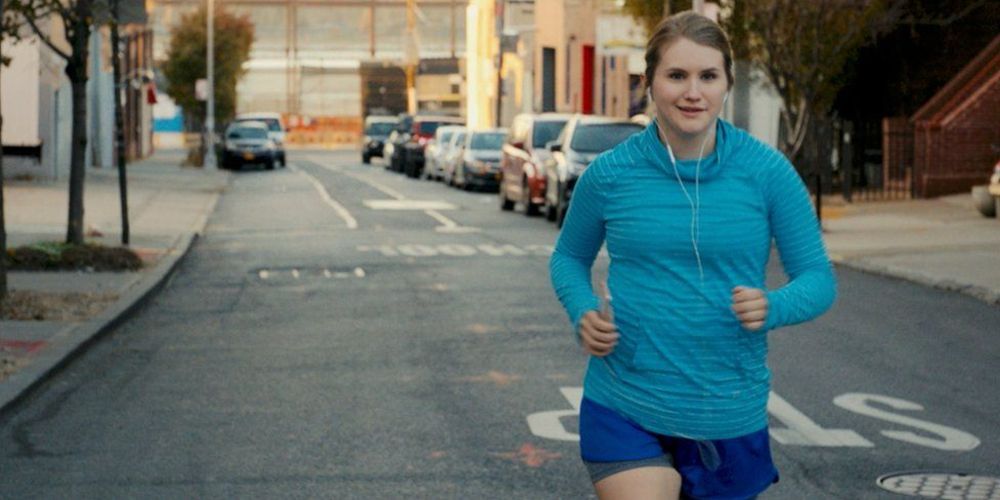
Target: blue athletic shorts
{"x": 737, "y": 468}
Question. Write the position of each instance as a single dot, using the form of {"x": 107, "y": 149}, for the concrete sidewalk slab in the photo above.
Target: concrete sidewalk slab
{"x": 943, "y": 243}
{"x": 169, "y": 206}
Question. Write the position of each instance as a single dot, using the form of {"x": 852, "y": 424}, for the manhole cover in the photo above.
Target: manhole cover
{"x": 948, "y": 485}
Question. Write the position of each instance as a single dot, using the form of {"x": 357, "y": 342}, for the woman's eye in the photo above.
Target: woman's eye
{"x": 676, "y": 76}
{"x": 709, "y": 77}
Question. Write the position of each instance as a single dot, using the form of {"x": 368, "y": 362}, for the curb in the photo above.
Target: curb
{"x": 73, "y": 341}
{"x": 984, "y": 294}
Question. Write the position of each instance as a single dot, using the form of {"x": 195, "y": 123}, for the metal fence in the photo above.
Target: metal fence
{"x": 883, "y": 168}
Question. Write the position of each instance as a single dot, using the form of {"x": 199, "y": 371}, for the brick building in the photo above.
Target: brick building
{"x": 957, "y": 132}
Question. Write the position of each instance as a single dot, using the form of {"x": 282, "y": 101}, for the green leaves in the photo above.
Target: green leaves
{"x": 186, "y": 60}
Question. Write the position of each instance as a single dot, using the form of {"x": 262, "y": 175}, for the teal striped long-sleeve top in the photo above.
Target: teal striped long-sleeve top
{"x": 684, "y": 366}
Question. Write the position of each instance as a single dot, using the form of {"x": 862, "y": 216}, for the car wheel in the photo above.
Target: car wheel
{"x": 530, "y": 208}
{"x": 551, "y": 213}
{"x": 505, "y": 203}
{"x": 560, "y": 213}
{"x": 270, "y": 164}
{"x": 366, "y": 159}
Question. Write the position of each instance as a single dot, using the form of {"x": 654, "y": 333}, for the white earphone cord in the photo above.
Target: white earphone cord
{"x": 695, "y": 203}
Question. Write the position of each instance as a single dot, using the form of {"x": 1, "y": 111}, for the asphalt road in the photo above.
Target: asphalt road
{"x": 422, "y": 354}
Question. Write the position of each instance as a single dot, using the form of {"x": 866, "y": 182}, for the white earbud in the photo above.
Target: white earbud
{"x": 649, "y": 93}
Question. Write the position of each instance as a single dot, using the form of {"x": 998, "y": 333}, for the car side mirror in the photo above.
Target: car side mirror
{"x": 553, "y": 146}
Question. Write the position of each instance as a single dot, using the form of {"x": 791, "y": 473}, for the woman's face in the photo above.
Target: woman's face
{"x": 689, "y": 86}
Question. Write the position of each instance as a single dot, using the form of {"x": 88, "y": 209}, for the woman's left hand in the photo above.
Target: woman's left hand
{"x": 750, "y": 306}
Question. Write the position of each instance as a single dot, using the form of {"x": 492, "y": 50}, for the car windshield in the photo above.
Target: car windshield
{"x": 380, "y": 128}
{"x": 601, "y": 137}
{"x": 247, "y": 133}
{"x": 545, "y": 132}
{"x": 445, "y": 137}
{"x": 460, "y": 138}
{"x": 488, "y": 140}
{"x": 273, "y": 124}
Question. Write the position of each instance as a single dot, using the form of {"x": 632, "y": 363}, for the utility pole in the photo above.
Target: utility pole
{"x": 499, "y": 12}
{"x": 412, "y": 56}
{"x": 119, "y": 127}
{"x": 209, "y": 161}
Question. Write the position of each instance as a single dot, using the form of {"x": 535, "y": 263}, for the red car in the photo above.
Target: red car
{"x": 522, "y": 178}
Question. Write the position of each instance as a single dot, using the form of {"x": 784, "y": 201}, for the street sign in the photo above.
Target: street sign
{"x": 201, "y": 89}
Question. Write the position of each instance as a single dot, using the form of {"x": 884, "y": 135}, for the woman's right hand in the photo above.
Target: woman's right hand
{"x": 598, "y": 334}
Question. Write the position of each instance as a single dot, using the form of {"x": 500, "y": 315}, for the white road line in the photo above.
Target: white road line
{"x": 351, "y": 222}
{"x": 381, "y": 187}
{"x": 448, "y": 225}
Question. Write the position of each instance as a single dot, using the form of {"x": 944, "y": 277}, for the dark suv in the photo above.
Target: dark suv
{"x": 377, "y": 130}
{"x": 421, "y": 133}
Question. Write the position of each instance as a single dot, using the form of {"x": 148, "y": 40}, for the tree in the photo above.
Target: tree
{"x": 650, "y": 12}
{"x": 804, "y": 47}
{"x": 8, "y": 31}
{"x": 76, "y": 17}
{"x": 186, "y": 62}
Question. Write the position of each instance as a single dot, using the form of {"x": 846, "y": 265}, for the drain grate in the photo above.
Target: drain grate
{"x": 947, "y": 485}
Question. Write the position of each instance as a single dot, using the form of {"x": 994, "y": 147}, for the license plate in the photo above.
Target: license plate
{"x": 247, "y": 156}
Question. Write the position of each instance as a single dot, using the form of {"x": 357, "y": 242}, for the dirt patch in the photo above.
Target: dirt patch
{"x": 50, "y": 256}
{"x": 45, "y": 306}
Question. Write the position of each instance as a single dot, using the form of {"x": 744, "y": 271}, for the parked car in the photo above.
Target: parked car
{"x": 453, "y": 157}
{"x": 377, "y": 130}
{"x": 422, "y": 132}
{"x": 275, "y": 130}
{"x": 523, "y": 155}
{"x": 393, "y": 150}
{"x": 584, "y": 137}
{"x": 248, "y": 142}
{"x": 479, "y": 166}
{"x": 437, "y": 150}
{"x": 986, "y": 198}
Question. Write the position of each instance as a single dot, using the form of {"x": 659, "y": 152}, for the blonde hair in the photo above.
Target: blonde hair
{"x": 695, "y": 27}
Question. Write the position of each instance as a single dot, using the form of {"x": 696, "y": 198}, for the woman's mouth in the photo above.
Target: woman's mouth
{"x": 690, "y": 112}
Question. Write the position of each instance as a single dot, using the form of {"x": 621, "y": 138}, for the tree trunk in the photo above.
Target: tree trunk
{"x": 77, "y": 71}
{"x": 3, "y": 225}
{"x": 119, "y": 127}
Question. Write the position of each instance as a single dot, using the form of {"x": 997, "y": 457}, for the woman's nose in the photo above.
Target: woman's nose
{"x": 693, "y": 93}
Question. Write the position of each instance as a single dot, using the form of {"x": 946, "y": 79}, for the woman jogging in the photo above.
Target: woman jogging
{"x": 675, "y": 394}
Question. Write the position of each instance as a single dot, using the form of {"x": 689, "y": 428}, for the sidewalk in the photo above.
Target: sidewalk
{"x": 168, "y": 207}
{"x": 943, "y": 243}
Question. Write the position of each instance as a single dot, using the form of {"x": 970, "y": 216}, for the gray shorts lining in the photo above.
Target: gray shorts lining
{"x": 601, "y": 470}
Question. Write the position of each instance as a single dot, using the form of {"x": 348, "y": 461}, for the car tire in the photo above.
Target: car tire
{"x": 985, "y": 202}
{"x": 530, "y": 207}
{"x": 366, "y": 159}
{"x": 270, "y": 164}
{"x": 561, "y": 208}
{"x": 551, "y": 213}
{"x": 505, "y": 203}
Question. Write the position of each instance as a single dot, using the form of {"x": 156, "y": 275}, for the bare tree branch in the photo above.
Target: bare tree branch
{"x": 45, "y": 39}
